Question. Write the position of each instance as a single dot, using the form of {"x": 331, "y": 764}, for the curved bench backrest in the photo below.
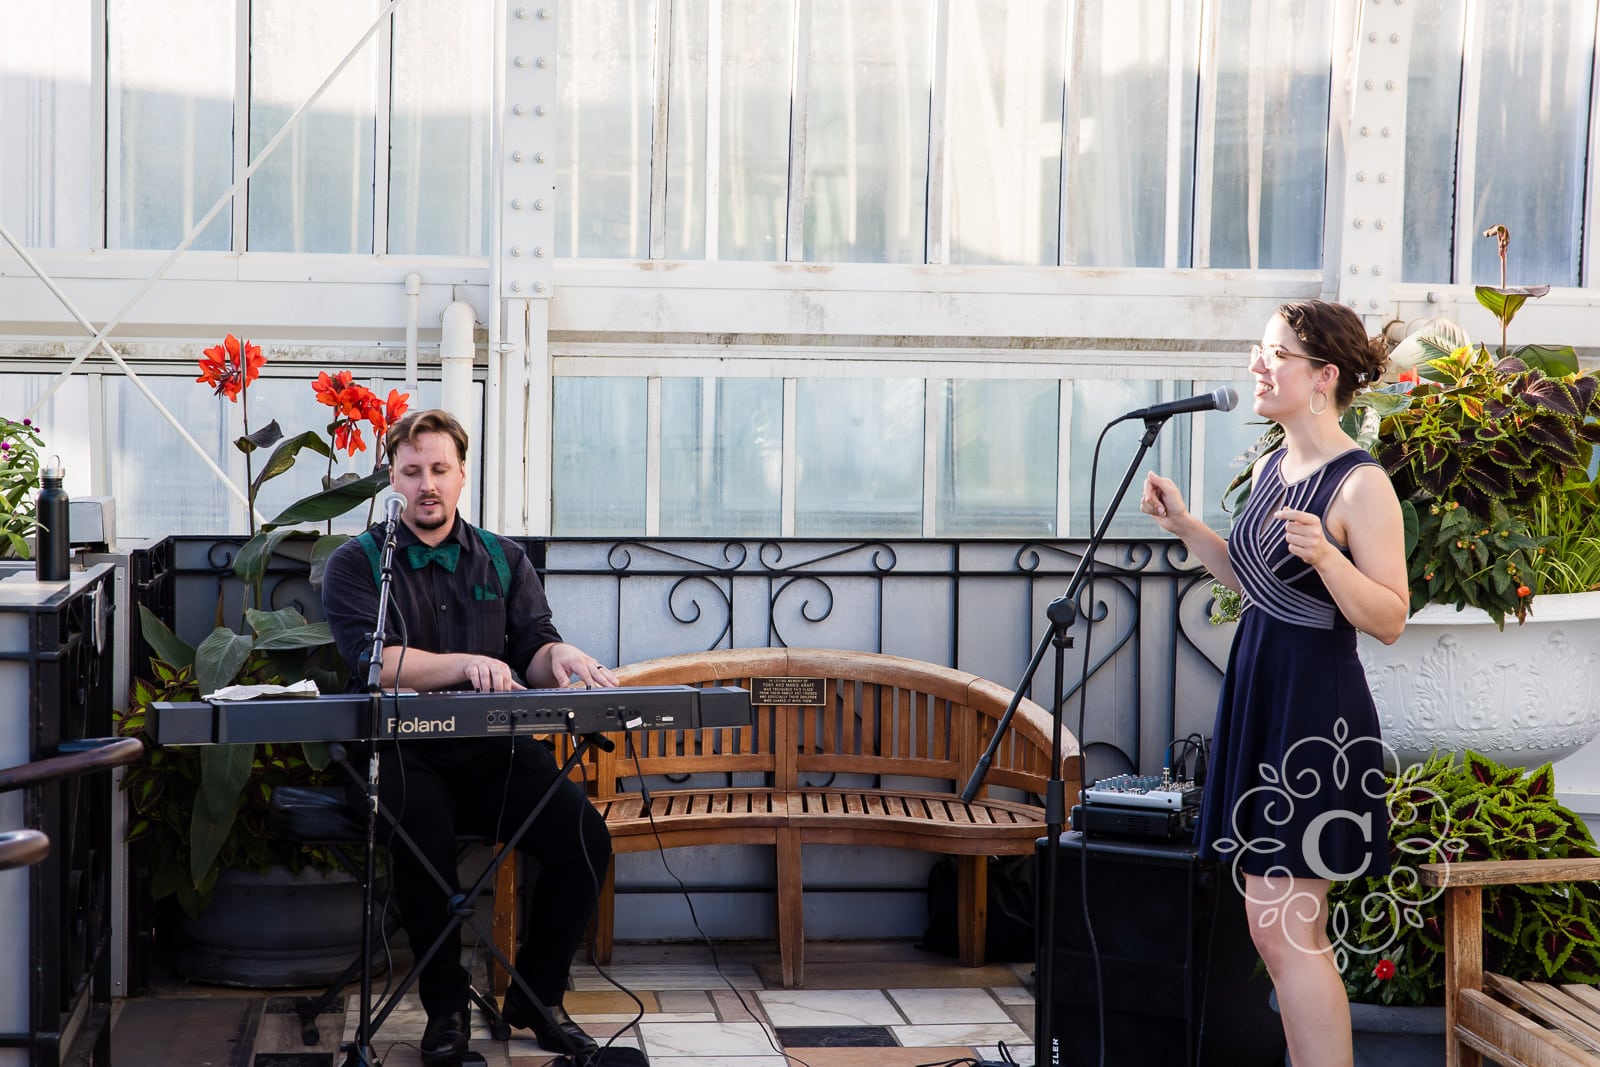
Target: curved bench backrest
{"x": 880, "y": 715}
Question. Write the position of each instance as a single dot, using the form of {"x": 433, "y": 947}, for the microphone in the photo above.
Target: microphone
{"x": 393, "y": 504}
{"x": 1222, "y": 399}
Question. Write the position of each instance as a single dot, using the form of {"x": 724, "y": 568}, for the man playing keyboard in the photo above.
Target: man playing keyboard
{"x": 467, "y": 612}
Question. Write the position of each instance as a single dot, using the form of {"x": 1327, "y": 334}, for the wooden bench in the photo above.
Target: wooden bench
{"x": 1487, "y": 1014}
{"x": 834, "y": 774}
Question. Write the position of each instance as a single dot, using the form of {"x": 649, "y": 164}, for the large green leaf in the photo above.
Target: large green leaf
{"x": 310, "y": 635}
{"x": 252, "y": 561}
{"x": 321, "y": 552}
{"x": 219, "y": 657}
{"x": 166, "y": 644}
{"x": 266, "y": 437}
{"x": 330, "y": 503}
{"x": 224, "y": 769}
{"x": 284, "y": 455}
{"x": 1554, "y": 362}
{"x": 266, "y": 622}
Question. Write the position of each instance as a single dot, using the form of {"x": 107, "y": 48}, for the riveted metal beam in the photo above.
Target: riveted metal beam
{"x": 526, "y": 248}
{"x": 1370, "y": 244}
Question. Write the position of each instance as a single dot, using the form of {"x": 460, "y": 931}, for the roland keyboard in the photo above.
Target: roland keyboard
{"x": 344, "y": 716}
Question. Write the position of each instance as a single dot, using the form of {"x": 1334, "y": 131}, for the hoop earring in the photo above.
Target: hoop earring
{"x": 1312, "y": 408}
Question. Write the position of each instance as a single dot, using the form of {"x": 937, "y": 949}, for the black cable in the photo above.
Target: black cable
{"x": 594, "y": 883}
{"x": 694, "y": 917}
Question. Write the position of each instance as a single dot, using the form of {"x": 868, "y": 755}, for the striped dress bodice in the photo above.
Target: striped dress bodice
{"x": 1274, "y": 580}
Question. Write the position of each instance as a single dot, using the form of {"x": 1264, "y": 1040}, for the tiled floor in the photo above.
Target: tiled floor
{"x": 865, "y": 1005}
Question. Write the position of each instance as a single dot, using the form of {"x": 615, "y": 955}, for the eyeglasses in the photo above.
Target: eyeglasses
{"x": 1274, "y": 355}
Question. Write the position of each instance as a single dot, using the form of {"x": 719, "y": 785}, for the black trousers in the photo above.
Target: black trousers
{"x": 440, "y": 790}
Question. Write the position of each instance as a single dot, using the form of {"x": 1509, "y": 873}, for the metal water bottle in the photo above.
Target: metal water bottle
{"x": 53, "y": 549}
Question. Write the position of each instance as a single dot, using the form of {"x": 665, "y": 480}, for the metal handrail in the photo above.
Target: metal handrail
{"x": 90, "y": 754}
{"x": 22, "y": 848}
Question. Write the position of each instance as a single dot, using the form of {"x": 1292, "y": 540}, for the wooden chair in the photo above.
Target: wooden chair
{"x": 1516, "y": 1023}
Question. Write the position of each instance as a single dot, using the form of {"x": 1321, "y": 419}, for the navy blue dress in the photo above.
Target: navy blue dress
{"x": 1296, "y": 784}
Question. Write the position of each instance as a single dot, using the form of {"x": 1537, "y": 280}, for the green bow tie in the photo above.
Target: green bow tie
{"x": 446, "y": 556}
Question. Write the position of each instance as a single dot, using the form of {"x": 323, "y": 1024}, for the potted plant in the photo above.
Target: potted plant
{"x": 1387, "y": 933}
{"x": 1489, "y": 452}
{"x": 202, "y": 813}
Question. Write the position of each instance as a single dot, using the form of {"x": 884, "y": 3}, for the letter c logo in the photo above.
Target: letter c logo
{"x": 1311, "y": 843}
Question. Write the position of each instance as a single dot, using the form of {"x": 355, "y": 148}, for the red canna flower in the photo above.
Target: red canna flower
{"x": 387, "y": 413}
{"x": 1410, "y": 375}
{"x": 347, "y": 435}
{"x": 231, "y": 366}
{"x": 1384, "y": 970}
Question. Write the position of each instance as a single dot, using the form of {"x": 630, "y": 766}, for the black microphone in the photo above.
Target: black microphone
{"x": 1218, "y": 399}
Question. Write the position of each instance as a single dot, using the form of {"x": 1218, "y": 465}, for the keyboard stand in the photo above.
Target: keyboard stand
{"x": 461, "y": 910}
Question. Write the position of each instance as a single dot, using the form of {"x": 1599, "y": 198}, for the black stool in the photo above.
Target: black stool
{"x": 322, "y": 817}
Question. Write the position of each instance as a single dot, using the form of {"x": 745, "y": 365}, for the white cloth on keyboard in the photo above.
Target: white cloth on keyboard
{"x": 306, "y": 688}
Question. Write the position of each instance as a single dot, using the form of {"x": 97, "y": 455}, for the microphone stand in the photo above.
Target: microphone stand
{"x": 361, "y": 1051}
{"x": 1062, "y": 613}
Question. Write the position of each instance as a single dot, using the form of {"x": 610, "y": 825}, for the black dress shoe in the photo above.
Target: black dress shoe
{"x": 445, "y": 1039}
{"x": 565, "y": 1036}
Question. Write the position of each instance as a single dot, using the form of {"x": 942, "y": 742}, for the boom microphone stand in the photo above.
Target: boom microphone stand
{"x": 1062, "y": 613}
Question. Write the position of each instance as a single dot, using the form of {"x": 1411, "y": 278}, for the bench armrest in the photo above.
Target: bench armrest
{"x": 1510, "y": 872}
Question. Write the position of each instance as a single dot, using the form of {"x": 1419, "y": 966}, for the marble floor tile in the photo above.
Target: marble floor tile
{"x": 684, "y": 1000}
{"x": 882, "y": 1057}
{"x": 1013, "y": 995}
{"x": 719, "y": 1061}
{"x": 707, "y": 1040}
{"x": 1021, "y": 1051}
{"x": 609, "y": 1001}
{"x": 828, "y": 1007}
{"x": 893, "y": 974}
{"x": 735, "y": 1006}
{"x": 960, "y": 1034}
{"x": 948, "y": 1005}
{"x": 668, "y": 976}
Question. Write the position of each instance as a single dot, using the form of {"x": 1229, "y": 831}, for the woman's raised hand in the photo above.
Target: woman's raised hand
{"x": 1162, "y": 501}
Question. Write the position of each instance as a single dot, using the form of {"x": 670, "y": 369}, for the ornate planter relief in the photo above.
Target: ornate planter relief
{"x": 1522, "y": 696}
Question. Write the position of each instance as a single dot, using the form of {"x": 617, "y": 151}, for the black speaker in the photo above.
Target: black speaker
{"x": 1178, "y": 972}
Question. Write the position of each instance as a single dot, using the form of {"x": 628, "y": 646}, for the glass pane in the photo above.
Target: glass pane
{"x": 48, "y": 180}
{"x": 169, "y": 131}
{"x": 752, "y": 153}
{"x": 440, "y": 102}
{"x": 178, "y": 493}
{"x": 314, "y": 193}
{"x": 866, "y": 168}
{"x": 1004, "y": 131}
{"x": 858, "y": 456}
{"x": 1094, "y": 405}
{"x": 1533, "y": 115}
{"x": 607, "y": 83}
{"x": 721, "y": 457}
{"x": 1270, "y": 160}
{"x": 1433, "y": 109}
{"x": 598, "y": 474}
{"x": 997, "y": 458}
{"x": 686, "y": 130}
{"x": 1123, "y": 100}
{"x": 757, "y": 56}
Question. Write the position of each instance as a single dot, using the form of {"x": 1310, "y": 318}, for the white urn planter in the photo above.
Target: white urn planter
{"x": 1522, "y": 696}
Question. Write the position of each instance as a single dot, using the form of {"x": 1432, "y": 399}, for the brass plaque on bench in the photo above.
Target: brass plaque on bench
{"x": 797, "y": 692}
